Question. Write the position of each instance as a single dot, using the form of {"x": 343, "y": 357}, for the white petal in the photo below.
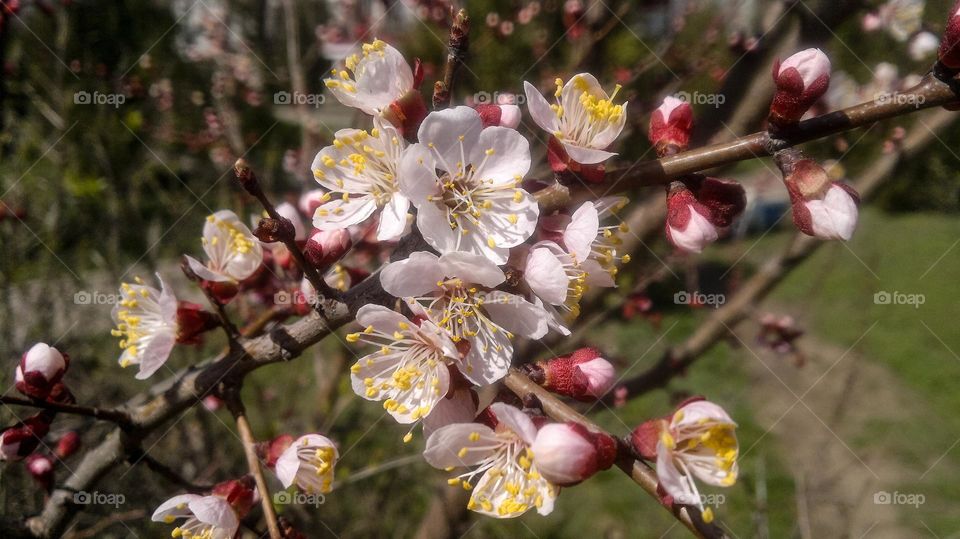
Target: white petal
{"x": 155, "y": 354}
{"x": 417, "y": 174}
{"x": 215, "y": 511}
{"x": 339, "y": 214}
{"x": 393, "y": 218}
{"x": 472, "y": 269}
{"x": 444, "y": 129}
{"x": 380, "y": 317}
{"x": 489, "y": 357}
{"x": 456, "y": 408}
{"x": 515, "y": 420}
{"x": 516, "y": 314}
{"x": 444, "y": 446}
{"x": 835, "y": 217}
{"x": 582, "y": 231}
{"x": 546, "y": 277}
{"x": 412, "y": 277}
{"x": 540, "y": 109}
{"x": 586, "y": 156}
{"x": 510, "y": 158}
{"x": 287, "y": 466}
{"x": 671, "y": 479}
{"x": 596, "y": 275}
{"x": 171, "y": 507}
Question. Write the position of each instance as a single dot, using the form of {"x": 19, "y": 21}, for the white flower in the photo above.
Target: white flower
{"x": 509, "y": 483}
{"x": 409, "y": 371}
{"x": 459, "y": 406}
{"x": 699, "y": 441}
{"x": 205, "y": 517}
{"x": 475, "y": 203}
{"x": 451, "y": 292}
{"x": 360, "y": 170}
{"x": 592, "y": 245}
{"x": 833, "y": 217}
{"x": 234, "y": 253}
{"x": 584, "y": 120}
{"x": 309, "y": 463}
{"x": 376, "y": 78}
{"x": 146, "y": 321}
{"x": 555, "y": 277}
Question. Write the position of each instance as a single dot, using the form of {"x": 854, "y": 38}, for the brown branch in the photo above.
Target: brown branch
{"x": 456, "y": 53}
{"x": 253, "y": 462}
{"x": 116, "y": 416}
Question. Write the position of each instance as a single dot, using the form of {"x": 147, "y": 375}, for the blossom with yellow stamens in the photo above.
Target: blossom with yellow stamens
{"x": 593, "y": 245}
{"x": 698, "y": 441}
{"x": 204, "y": 517}
{"x": 360, "y": 171}
{"x": 146, "y": 321}
{"x": 455, "y": 292}
{"x": 408, "y": 371}
{"x": 504, "y": 481}
{"x": 373, "y": 79}
{"x": 585, "y": 121}
{"x": 465, "y": 180}
{"x": 309, "y": 463}
{"x": 233, "y": 252}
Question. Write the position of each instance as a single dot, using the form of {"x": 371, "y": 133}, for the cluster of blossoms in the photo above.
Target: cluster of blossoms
{"x": 496, "y": 268}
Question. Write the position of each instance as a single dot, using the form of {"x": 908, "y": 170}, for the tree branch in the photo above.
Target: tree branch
{"x": 253, "y": 462}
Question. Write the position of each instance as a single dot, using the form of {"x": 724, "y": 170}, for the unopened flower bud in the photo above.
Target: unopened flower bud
{"x": 800, "y": 80}
{"x": 68, "y": 444}
{"x": 23, "y": 438}
{"x": 241, "y": 494}
{"x": 40, "y": 368}
{"x": 688, "y": 221}
{"x": 246, "y": 177}
{"x": 949, "y": 54}
{"x": 326, "y": 247}
{"x": 822, "y": 208}
{"x": 582, "y": 375}
{"x": 40, "y": 468}
{"x": 568, "y": 453}
{"x": 499, "y": 115}
{"x": 670, "y": 126}
{"x": 270, "y": 451}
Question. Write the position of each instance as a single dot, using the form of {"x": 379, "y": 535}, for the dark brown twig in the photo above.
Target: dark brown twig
{"x": 456, "y": 54}
{"x": 115, "y": 416}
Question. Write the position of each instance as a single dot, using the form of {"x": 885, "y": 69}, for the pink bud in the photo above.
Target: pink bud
{"x": 950, "y": 43}
{"x": 800, "y": 80}
{"x": 644, "y": 438}
{"x": 600, "y": 376}
{"x": 212, "y": 403}
{"x": 499, "y": 115}
{"x": 821, "y": 207}
{"x": 270, "y": 451}
{"x": 67, "y": 444}
{"x": 582, "y": 375}
{"x": 241, "y": 494}
{"x": 688, "y": 224}
{"x": 40, "y": 368}
{"x": 670, "y": 125}
{"x": 568, "y": 453}
{"x": 40, "y": 468}
{"x": 326, "y": 247}
{"x": 23, "y": 438}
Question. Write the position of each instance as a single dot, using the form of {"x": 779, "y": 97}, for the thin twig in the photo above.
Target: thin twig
{"x": 456, "y": 53}
{"x": 116, "y": 416}
{"x": 253, "y": 462}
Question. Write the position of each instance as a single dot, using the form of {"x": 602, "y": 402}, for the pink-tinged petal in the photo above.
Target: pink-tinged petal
{"x": 155, "y": 354}
{"x": 380, "y": 317}
{"x": 540, "y": 109}
{"x": 204, "y": 272}
{"x": 167, "y": 301}
{"x": 287, "y": 466}
{"x": 447, "y": 130}
{"x": 510, "y": 116}
{"x": 393, "y": 218}
{"x": 445, "y": 446}
{"x": 563, "y": 456}
{"x": 412, "y": 277}
{"x": 698, "y": 412}
{"x": 509, "y": 160}
{"x": 471, "y": 268}
{"x": 811, "y": 63}
{"x": 579, "y": 235}
{"x": 545, "y": 275}
{"x": 516, "y": 314}
{"x": 515, "y": 420}
{"x": 834, "y": 217}
{"x": 457, "y": 408}
{"x": 339, "y": 214}
{"x": 417, "y": 174}
{"x": 600, "y": 376}
{"x": 172, "y": 507}
{"x": 671, "y": 479}
{"x": 215, "y": 511}
{"x": 698, "y": 233}
{"x": 586, "y": 156}
{"x": 596, "y": 275}
{"x": 44, "y": 359}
